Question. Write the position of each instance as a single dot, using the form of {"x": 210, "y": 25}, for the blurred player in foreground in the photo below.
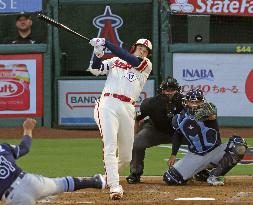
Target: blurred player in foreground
{"x": 21, "y": 188}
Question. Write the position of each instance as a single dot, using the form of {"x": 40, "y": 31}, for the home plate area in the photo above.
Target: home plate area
{"x": 152, "y": 190}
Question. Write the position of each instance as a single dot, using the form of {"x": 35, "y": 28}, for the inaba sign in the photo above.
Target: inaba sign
{"x": 198, "y": 74}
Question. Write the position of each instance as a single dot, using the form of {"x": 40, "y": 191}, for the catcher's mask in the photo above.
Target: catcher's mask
{"x": 193, "y": 100}
{"x": 144, "y": 42}
{"x": 170, "y": 85}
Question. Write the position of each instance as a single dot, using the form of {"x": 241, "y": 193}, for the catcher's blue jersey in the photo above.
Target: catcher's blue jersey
{"x": 9, "y": 171}
{"x": 201, "y": 138}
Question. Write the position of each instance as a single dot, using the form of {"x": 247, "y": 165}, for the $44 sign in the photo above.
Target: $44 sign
{"x": 243, "y": 49}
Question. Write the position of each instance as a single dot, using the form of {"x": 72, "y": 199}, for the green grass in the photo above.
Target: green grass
{"x": 83, "y": 157}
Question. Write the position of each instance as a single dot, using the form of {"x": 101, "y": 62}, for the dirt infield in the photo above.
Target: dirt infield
{"x": 42, "y": 132}
{"x": 152, "y": 190}
{"x": 237, "y": 190}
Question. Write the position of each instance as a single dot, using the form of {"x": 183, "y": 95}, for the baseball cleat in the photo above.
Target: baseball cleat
{"x": 215, "y": 181}
{"x": 202, "y": 175}
{"x": 116, "y": 193}
{"x": 99, "y": 181}
{"x": 133, "y": 179}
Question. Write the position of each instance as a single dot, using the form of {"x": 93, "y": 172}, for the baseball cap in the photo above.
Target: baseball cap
{"x": 27, "y": 16}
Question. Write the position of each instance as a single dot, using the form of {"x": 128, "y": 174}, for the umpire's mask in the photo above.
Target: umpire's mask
{"x": 169, "y": 87}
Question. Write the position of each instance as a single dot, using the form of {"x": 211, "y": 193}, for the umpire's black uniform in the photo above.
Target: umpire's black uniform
{"x": 157, "y": 113}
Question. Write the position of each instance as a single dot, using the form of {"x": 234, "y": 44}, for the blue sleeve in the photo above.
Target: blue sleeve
{"x": 96, "y": 62}
{"x": 23, "y": 148}
{"x": 176, "y": 142}
{"x": 175, "y": 121}
{"x": 123, "y": 54}
{"x": 25, "y": 145}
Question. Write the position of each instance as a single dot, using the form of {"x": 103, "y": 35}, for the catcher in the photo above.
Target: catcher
{"x": 198, "y": 124}
{"x": 21, "y": 188}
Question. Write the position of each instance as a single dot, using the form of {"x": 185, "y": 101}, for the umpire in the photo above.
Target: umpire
{"x": 153, "y": 124}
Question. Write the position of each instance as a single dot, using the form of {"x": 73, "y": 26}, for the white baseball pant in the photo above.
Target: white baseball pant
{"x": 115, "y": 120}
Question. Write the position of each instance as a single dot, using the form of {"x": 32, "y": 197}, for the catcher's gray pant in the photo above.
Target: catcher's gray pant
{"x": 192, "y": 163}
{"x": 31, "y": 187}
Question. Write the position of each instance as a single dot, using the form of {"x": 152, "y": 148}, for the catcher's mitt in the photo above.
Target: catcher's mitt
{"x": 207, "y": 111}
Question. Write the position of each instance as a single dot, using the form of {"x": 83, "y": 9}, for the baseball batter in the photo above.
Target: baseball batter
{"x": 21, "y": 188}
{"x": 114, "y": 112}
{"x": 199, "y": 126}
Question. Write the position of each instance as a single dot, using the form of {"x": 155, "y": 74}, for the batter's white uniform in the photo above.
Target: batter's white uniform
{"x": 114, "y": 116}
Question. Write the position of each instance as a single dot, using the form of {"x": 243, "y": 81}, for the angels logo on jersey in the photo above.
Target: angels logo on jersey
{"x": 108, "y": 23}
{"x": 131, "y": 76}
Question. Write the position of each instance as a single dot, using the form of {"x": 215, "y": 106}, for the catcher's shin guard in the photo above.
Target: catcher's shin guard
{"x": 173, "y": 177}
{"x": 235, "y": 151}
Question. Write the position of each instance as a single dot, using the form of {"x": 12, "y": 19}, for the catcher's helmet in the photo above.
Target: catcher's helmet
{"x": 142, "y": 41}
{"x": 193, "y": 96}
{"x": 170, "y": 83}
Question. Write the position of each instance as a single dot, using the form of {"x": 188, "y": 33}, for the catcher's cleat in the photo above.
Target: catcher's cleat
{"x": 116, "y": 192}
{"x": 215, "y": 181}
{"x": 202, "y": 175}
{"x": 133, "y": 179}
{"x": 99, "y": 181}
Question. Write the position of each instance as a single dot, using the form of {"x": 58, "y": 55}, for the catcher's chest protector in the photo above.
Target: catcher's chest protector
{"x": 201, "y": 139}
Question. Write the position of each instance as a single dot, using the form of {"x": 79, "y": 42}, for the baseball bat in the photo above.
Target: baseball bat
{"x": 60, "y": 25}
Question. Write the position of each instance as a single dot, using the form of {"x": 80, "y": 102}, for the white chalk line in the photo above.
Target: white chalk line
{"x": 49, "y": 199}
{"x": 195, "y": 199}
{"x": 238, "y": 196}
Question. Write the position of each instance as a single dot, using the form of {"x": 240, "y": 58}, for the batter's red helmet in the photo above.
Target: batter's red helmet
{"x": 142, "y": 41}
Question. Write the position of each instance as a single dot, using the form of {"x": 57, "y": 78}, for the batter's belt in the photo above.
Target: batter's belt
{"x": 120, "y": 97}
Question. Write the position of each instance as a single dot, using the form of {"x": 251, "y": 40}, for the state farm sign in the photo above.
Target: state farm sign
{"x": 222, "y": 7}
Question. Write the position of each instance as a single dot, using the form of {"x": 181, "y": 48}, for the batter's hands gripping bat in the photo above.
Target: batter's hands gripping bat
{"x": 59, "y": 25}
